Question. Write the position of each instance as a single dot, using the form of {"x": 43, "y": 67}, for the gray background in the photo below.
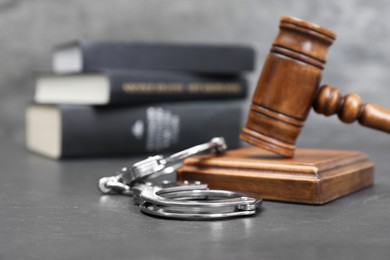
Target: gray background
{"x": 51, "y": 209}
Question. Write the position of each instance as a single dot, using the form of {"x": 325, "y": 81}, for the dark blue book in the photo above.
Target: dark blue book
{"x": 83, "y": 56}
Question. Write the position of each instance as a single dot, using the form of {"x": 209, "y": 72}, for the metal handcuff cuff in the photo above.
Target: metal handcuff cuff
{"x": 179, "y": 200}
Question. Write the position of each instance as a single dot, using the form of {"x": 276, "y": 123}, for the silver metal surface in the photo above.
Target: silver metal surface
{"x": 217, "y": 145}
{"x": 155, "y": 166}
{"x": 195, "y": 203}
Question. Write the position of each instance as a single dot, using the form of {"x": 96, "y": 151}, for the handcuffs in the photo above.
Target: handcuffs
{"x": 178, "y": 200}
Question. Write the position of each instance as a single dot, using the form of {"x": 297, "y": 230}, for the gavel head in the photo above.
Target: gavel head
{"x": 287, "y": 86}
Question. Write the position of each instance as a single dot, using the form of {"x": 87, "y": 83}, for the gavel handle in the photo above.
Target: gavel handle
{"x": 349, "y": 108}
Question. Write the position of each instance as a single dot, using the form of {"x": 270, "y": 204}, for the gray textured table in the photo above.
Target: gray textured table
{"x": 52, "y": 210}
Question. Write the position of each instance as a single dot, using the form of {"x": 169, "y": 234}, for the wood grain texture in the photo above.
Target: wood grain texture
{"x": 349, "y": 108}
{"x": 287, "y": 86}
{"x": 312, "y": 176}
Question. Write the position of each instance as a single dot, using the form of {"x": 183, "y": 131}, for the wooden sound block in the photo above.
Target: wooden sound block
{"x": 312, "y": 176}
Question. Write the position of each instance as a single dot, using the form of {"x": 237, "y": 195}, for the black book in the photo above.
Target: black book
{"x": 124, "y": 87}
{"x": 85, "y": 56}
{"x": 63, "y": 131}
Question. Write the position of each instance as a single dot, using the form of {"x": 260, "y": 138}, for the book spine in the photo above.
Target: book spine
{"x": 144, "y": 86}
{"x": 193, "y": 58}
{"x": 158, "y": 128}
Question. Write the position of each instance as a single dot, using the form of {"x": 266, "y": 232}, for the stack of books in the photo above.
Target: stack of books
{"x": 116, "y": 99}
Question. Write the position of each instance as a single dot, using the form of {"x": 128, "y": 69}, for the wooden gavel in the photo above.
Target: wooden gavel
{"x": 289, "y": 86}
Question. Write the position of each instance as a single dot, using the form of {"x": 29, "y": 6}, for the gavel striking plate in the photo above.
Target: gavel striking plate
{"x": 179, "y": 200}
